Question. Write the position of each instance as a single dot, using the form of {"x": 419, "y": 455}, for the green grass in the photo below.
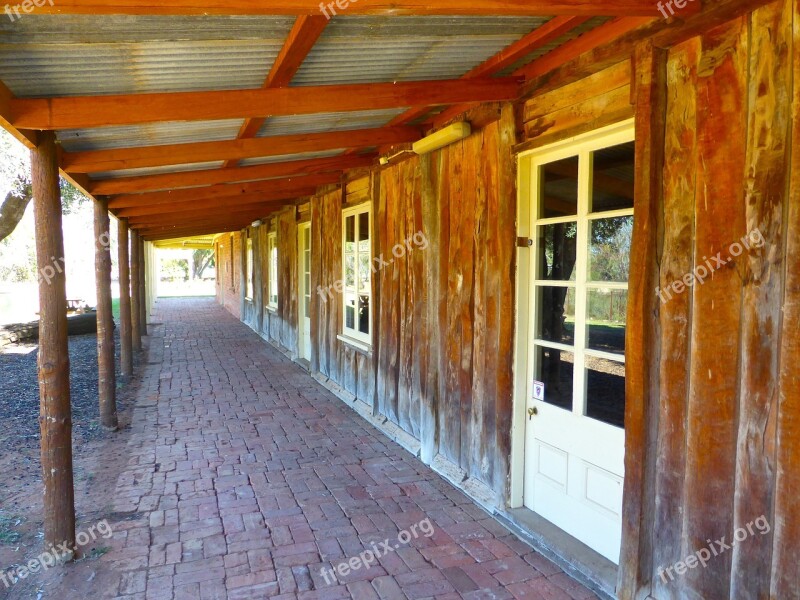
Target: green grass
{"x": 7, "y": 533}
{"x": 115, "y": 308}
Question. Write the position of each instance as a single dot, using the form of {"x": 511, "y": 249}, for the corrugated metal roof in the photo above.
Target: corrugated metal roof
{"x": 287, "y": 157}
{"x": 54, "y": 55}
{"x": 366, "y": 49}
{"x": 157, "y": 170}
{"x": 106, "y": 138}
{"x": 571, "y": 35}
{"x": 322, "y": 122}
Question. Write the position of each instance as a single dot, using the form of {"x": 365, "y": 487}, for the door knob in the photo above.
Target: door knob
{"x": 532, "y": 412}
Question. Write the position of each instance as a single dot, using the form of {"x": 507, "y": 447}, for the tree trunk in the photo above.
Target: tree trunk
{"x": 13, "y": 209}
{"x": 55, "y": 411}
{"x": 107, "y": 376}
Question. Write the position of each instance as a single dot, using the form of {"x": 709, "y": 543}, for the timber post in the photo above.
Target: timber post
{"x": 136, "y": 292}
{"x": 107, "y": 377}
{"x": 54, "y": 394}
{"x": 126, "y": 347}
{"x": 143, "y": 287}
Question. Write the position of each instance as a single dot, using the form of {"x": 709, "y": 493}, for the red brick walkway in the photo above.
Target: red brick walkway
{"x": 247, "y": 478}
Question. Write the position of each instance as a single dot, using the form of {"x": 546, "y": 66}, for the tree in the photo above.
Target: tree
{"x": 201, "y": 260}
{"x": 15, "y": 182}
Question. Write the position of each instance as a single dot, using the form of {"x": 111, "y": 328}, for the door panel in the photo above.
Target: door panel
{"x": 581, "y": 216}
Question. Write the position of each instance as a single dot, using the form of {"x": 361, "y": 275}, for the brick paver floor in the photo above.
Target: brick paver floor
{"x": 247, "y": 479}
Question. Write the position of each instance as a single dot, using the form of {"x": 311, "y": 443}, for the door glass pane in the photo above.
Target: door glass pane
{"x": 556, "y": 310}
{"x": 559, "y": 188}
{"x": 605, "y": 391}
{"x": 554, "y": 369}
{"x": 610, "y": 249}
{"x": 558, "y": 252}
{"x": 613, "y": 178}
{"x": 606, "y": 316}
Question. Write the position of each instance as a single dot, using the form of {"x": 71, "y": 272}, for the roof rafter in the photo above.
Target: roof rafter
{"x": 300, "y": 41}
{"x": 229, "y": 190}
{"x": 194, "y": 179}
{"x": 78, "y": 112}
{"x": 373, "y": 7}
{"x": 200, "y": 152}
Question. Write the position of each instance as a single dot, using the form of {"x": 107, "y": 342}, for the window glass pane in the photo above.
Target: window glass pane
{"x": 612, "y": 178}
{"x": 556, "y": 310}
{"x": 559, "y": 188}
{"x": 350, "y": 271}
{"x": 606, "y": 318}
{"x": 554, "y": 369}
{"x": 610, "y": 249}
{"x": 363, "y": 314}
{"x": 308, "y": 308}
{"x": 350, "y": 312}
{"x": 363, "y": 231}
{"x": 363, "y": 273}
{"x": 350, "y": 234}
{"x": 605, "y": 391}
{"x": 558, "y": 252}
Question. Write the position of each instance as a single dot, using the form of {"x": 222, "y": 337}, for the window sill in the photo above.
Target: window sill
{"x": 272, "y": 309}
{"x": 362, "y": 347}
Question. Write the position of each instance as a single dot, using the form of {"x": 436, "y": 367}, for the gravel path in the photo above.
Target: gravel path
{"x": 19, "y": 397}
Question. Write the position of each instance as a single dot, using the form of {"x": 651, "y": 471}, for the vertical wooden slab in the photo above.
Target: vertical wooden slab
{"x": 717, "y": 304}
{"x": 786, "y": 522}
{"x": 675, "y": 312}
{"x": 762, "y": 268}
{"x": 136, "y": 292}
{"x": 641, "y": 411}
{"x": 500, "y": 300}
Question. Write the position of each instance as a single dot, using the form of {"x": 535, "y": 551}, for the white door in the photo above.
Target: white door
{"x": 304, "y": 271}
{"x": 580, "y": 218}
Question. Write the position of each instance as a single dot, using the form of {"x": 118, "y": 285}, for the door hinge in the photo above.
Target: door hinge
{"x": 523, "y": 242}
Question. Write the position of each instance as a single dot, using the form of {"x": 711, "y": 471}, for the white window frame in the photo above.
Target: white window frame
{"x": 248, "y": 293}
{"x": 349, "y": 335}
{"x": 272, "y": 254}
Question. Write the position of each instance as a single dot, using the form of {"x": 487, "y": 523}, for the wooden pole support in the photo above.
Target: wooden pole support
{"x": 136, "y": 292}
{"x": 126, "y": 342}
{"x": 107, "y": 376}
{"x": 54, "y": 397}
{"x": 143, "y": 286}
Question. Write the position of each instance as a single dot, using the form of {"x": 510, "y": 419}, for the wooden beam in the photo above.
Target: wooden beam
{"x": 194, "y": 179}
{"x": 137, "y": 109}
{"x": 180, "y": 154}
{"x": 301, "y": 40}
{"x": 107, "y": 376}
{"x": 531, "y": 8}
{"x": 54, "y": 383}
{"x": 213, "y": 205}
{"x": 539, "y": 37}
{"x": 251, "y": 212}
{"x": 162, "y": 235}
{"x": 269, "y": 190}
{"x": 28, "y": 138}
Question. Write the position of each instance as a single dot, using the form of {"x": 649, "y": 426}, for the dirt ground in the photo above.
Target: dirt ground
{"x": 21, "y": 537}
